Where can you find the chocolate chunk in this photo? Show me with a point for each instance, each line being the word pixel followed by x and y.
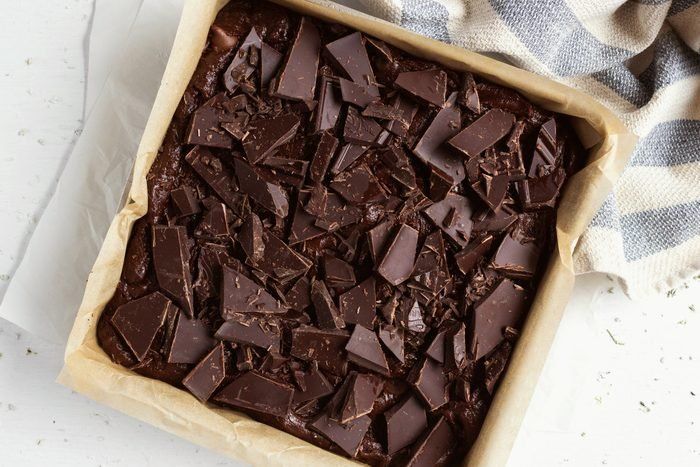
pixel 270 196
pixel 436 349
pixel 467 258
pixel 364 350
pixel 491 221
pixel 468 95
pixel 329 105
pixel 429 381
pixel 397 162
pixel 377 238
pixel 358 186
pixel 204 378
pixel 204 128
pixel 426 85
pixel 250 331
pixel 545 153
pixel 214 222
pixel 244 358
pixel 393 338
pixel 239 294
pixel 325 150
pixel 280 261
pixel 304 224
pixel 459 209
pixel 240 67
pixel 359 397
pixel 266 135
pixel 347 155
pixel 315 386
pixel 257 393
pixel 327 315
pixel 211 258
pixel 381 47
pixel 357 94
pixel 138 321
pixel 317 202
pixel 382 111
pixel 441 183
pixel 517 257
pixel 360 130
pixel 237 127
pixel 251 238
pixel 338 273
pixel 270 60
pixel 218 177
pixel 407 111
pixel 494 96
pixel 390 308
pixel 483 133
pixel 434 446
pixel 456 348
pixel 297 80
pixel 504 306
pixel 191 341
pixel 299 296
pixel 358 305
pixel 325 347
pixel 492 189
pixel 185 200
pixel 397 263
pixel 405 422
pixel 348 437
pixel 432 148
pixel 349 55
pixel 171 259
pixel 538 193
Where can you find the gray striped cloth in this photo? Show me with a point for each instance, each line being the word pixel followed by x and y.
pixel 640 58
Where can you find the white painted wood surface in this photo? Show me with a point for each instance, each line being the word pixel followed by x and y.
pixel 621 386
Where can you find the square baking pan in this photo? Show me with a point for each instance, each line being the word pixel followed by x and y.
pixel 90 371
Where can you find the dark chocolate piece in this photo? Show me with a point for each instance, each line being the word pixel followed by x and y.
pixel 430 383
pixel 204 128
pixel 360 130
pixel 214 222
pixel 357 94
pixel 239 294
pixel 378 238
pixel 209 373
pixel 492 189
pixel 503 306
pixel 483 133
pixel 338 273
pixel 270 196
pixel 257 393
pixel 325 347
pixel 544 156
pixel 348 437
pixel 364 350
pixel 456 348
pixel 218 177
pixel 138 321
pixel 468 95
pixel 538 193
pixel 191 341
pixel 458 211
pixel 349 56
pixel 436 349
pixel 280 261
pixel 327 146
pixel 266 135
pixel 299 296
pixel 397 262
pixel 426 85
pixel 251 238
pixel 327 315
pixel 393 338
pixel 405 422
pixel 297 80
pixel 317 203
pixel 359 398
pixel 171 260
pixel 470 255
pixel 329 105
pixel 315 386
pixel 270 60
pixel 185 201
pixel 250 331
pixel 407 111
pixel 358 186
pixel 434 446
pixel 240 67
pixel 517 257
pixel 358 305
pixel 347 155
pixel 211 258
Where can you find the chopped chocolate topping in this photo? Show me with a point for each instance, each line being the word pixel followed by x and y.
pixel 429 381
pixel 315 386
pixel 393 338
pixel 358 186
pixel 426 85
pixel 191 340
pixel 266 135
pixel 347 155
pixel 435 446
pixel 270 196
pixel 209 373
pixel 240 294
pixel 397 262
pixel 326 347
pixel 483 133
pixel 240 68
pixel 457 210
pixel 357 94
pixel 322 158
pixel 327 315
pixel 405 422
pixel 171 259
pixel 185 201
pixel 297 80
pixel 257 393
pixel 349 55
pixel 250 331
pixel 139 320
pixel 360 395
pixel 360 130
pixel 516 257
pixel 270 60
pixel 329 104
pixel 358 305
pixel 364 350
pixel 470 255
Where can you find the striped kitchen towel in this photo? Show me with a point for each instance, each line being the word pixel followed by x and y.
pixel 640 58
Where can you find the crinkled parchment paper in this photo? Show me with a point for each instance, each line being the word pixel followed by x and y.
pixel 88 369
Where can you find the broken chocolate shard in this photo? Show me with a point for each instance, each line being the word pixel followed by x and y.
pixel 347 155
pixel 325 347
pixel 426 85
pixel 240 67
pixel 171 258
pixel 504 306
pixel 538 193
pixel 138 321
pixel 304 224
pixel 490 221
pixel 405 422
pixel 545 154
pixel 436 349
pixel 270 60
pixel 329 105
pixel 237 128
pixel 257 393
pixel 483 133
pixel 316 385
pixel 325 150
pixel 407 111
pixel 432 148
pixel 468 95
pixel 280 261
pixel 250 238
pixel 207 375
pixel 397 263
pixel 349 55
pixel 211 258
pixel 456 348
pixel 338 273
pixel 250 331
pixel 517 257
pixel 492 189
pixel 430 383
pixel 297 80
pixel 191 340
pixel 364 350
pixel 218 177
pixel 359 397
pixel 358 305
pixel 377 237
pixel 185 201
pixel 358 186
pixel 270 196
pixel 470 255
pixel 348 437
pixel 317 202
pixel 266 135
pixel 393 338
pixel 360 130
pixel 460 227
pixel 357 94
pixel 204 128
pixel 436 444
pixel 382 111
pixel 327 315
pixel 299 296
pixel 239 294
pixel 214 222
pixel 244 358
pixel 441 183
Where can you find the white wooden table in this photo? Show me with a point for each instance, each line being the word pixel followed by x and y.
pixel 621 386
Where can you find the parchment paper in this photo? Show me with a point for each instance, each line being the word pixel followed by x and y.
pixel 88 369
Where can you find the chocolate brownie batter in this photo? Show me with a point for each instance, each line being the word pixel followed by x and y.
pixel 342 239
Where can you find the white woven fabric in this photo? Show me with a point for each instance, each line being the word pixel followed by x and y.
pixel 641 59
